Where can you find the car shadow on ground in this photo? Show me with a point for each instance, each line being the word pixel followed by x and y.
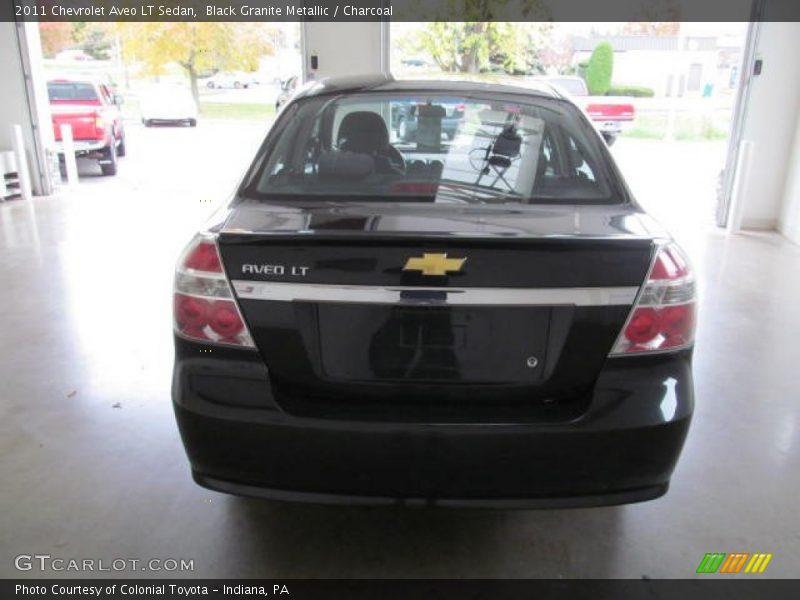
pixel 306 540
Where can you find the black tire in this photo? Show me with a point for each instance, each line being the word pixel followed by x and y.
pixel 610 138
pixel 210 85
pixel 237 85
pixel 122 150
pixel 192 122
pixel 111 167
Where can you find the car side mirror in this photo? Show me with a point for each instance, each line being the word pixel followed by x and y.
pixel 118 100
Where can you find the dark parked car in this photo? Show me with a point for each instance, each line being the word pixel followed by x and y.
pixel 489 321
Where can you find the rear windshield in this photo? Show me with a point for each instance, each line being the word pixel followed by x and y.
pixel 430 148
pixel 71 91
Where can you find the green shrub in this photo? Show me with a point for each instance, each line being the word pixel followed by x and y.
pixel 635 91
pixel 600 69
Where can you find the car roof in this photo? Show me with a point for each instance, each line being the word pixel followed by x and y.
pixel 387 83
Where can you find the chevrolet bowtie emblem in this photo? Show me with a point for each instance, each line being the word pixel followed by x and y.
pixel 434 264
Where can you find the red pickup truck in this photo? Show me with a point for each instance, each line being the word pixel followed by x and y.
pixel 93 112
pixel 608 115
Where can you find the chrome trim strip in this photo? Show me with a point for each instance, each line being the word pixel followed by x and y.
pixel 367 294
pixel 371 235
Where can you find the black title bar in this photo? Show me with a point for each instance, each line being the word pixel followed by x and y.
pixel 400 10
pixel 709 588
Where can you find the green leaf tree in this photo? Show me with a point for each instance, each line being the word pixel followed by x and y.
pixel 470 36
pixel 94 38
pixel 457 47
pixel 600 69
pixel 472 47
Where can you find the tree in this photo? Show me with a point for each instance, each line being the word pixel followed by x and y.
pixel 600 69
pixel 94 38
pixel 520 47
pixel 652 28
pixel 55 37
pixel 471 47
pixel 469 36
pixel 196 47
pixel 456 47
pixel 655 18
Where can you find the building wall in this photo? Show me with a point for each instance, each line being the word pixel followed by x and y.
pixel 13 98
pixel 771 124
pixel 789 224
pixel 345 48
pixel 654 68
pixel 14 106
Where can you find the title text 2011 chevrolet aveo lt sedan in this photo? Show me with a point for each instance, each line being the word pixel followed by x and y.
pixel 482 319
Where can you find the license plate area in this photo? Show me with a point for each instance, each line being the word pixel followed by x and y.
pixel 430 344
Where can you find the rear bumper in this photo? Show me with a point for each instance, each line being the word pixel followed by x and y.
pixel 581 501
pixel 611 127
pixel 83 146
pixel 623 449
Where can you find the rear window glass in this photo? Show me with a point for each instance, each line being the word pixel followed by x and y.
pixel 71 91
pixel 431 148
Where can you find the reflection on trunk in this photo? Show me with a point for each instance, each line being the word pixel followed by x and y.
pixel 418 344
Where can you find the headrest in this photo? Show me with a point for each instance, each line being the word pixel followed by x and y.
pixel 345 166
pixel 363 131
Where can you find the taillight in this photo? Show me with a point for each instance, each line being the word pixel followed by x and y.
pixel 99 125
pixel 663 317
pixel 204 308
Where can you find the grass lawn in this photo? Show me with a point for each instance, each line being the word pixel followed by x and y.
pixel 213 110
pixel 220 110
pixel 687 127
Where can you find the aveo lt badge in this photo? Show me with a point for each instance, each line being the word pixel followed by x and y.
pixel 434 264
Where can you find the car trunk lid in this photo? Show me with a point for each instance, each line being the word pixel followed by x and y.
pixel 419 312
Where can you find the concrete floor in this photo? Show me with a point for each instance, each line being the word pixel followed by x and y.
pixel 92 466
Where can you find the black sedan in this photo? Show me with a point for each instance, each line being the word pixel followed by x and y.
pixel 490 320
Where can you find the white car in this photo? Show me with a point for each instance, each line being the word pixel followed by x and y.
pixel 74 55
pixel 236 80
pixel 165 104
